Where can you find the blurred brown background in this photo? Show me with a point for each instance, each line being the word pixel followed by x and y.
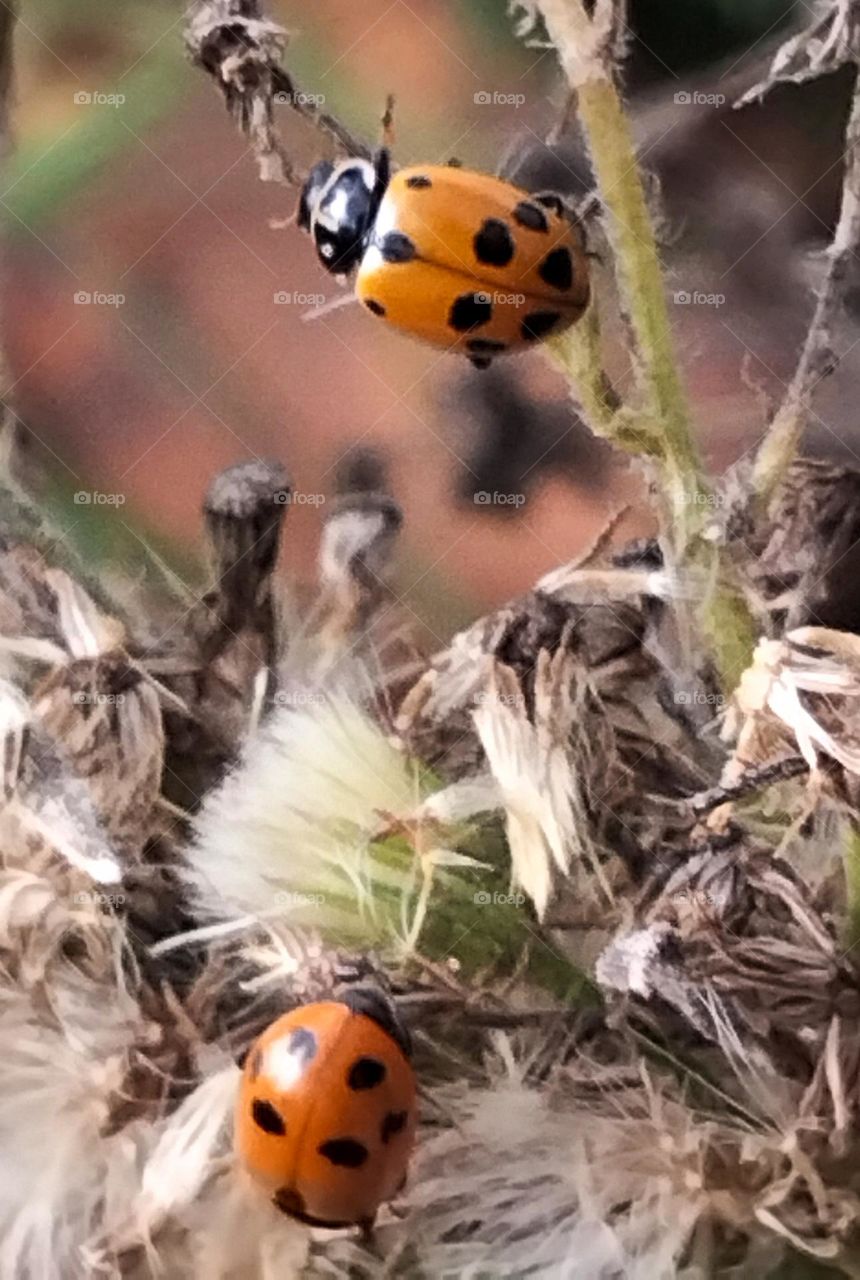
pixel 148 348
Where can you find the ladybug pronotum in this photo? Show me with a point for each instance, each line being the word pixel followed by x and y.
pixel 460 259
pixel 326 1113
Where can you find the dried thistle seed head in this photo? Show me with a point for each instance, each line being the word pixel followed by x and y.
pixel 800 559
pixel 356 556
pixel 241 49
pixel 244 510
pixel 105 718
pixel 52 819
pixel 733 944
pixel 362 469
pixel 800 694
pixel 358 541
pixel 543 779
pixel 219 658
pixel 46 616
pixel 828 42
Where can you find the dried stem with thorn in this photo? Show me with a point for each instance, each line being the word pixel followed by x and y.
pixel 818 359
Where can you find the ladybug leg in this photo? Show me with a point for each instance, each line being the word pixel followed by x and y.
pixel 367 1226
pixel 454 163
pixel 382 171
pixel 550 200
pixel 481 362
pixel 577 214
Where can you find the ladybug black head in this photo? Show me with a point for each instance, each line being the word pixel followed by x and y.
pixel 375 1004
pixel 338 208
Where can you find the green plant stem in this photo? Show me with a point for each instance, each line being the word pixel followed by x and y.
pixel 641 281
pixel 659 426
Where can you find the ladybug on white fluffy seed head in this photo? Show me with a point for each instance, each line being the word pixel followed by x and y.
pixel 326 1113
pixel 458 258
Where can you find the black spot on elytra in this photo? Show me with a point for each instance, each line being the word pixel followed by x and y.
pixel 555 203
pixel 303 1044
pixel 486 346
pixel 396 247
pixel 346 1153
pixel 267 1118
pixel 531 216
pixel 366 1073
pixel 394 1123
pixel 539 324
pixel 494 244
pixel 470 311
pixel 376 307
pixel 419 183
pixel 255 1063
pixel 557 269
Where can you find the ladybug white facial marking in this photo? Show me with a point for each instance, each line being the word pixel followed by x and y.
pixel 287 1059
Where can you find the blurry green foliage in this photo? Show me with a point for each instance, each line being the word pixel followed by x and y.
pixel 68 49
pixel 682 35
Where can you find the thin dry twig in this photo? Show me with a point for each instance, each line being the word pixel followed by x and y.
pixel 242 50
pixel 832 41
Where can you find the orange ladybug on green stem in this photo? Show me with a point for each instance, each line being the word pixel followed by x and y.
pixel 458 258
pixel 326 1112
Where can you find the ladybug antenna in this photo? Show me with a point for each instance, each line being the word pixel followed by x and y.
pixel 334 304
pixel 375 1004
pixel 382 168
